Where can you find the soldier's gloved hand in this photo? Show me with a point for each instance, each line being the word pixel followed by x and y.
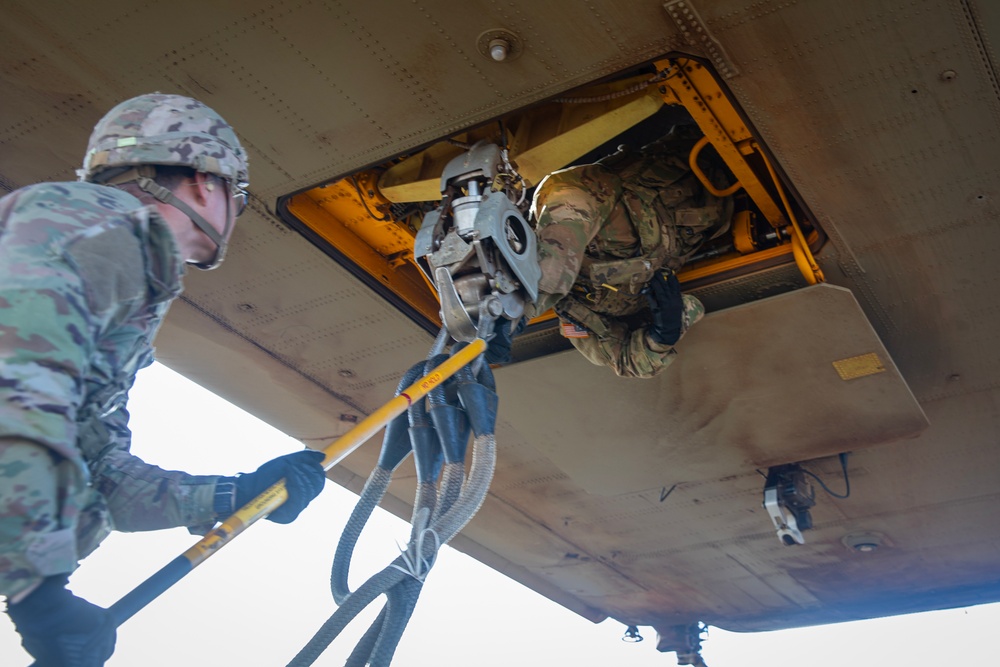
pixel 59 629
pixel 304 479
pixel 666 306
pixel 498 350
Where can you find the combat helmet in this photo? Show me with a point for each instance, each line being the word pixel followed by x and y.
pixel 169 130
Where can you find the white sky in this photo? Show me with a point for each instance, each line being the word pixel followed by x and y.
pixel 262 597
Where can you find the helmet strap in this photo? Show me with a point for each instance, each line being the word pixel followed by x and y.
pixel 141 177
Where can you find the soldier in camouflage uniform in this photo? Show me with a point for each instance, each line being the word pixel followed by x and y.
pixel 87 271
pixel 610 236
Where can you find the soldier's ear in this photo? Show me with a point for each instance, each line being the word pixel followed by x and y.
pixel 202 185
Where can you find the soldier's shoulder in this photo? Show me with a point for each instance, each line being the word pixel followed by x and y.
pixel 580 174
pixel 46 217
pixel 65 205
pixel 74 194
pixel 591 180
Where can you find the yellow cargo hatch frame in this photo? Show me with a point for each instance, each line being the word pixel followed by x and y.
pixel 368 220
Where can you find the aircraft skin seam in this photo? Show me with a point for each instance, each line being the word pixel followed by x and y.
pixel 228 327
pixel 984 50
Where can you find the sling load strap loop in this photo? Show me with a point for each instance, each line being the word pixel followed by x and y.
pixel 433 526
pixel 273 497
pixel 483 464
pixel 363 650
pixel 395 447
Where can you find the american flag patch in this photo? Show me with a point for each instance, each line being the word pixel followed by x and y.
pixel 570 330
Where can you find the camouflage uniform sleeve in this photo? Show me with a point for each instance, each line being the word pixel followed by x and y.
pixel 625 351
pixel 570 207
pixel 630 352
pixel 141 496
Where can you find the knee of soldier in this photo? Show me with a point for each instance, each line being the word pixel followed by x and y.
pixel 694 310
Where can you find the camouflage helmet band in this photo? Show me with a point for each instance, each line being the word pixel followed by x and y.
pixel 164 130
pixel 96 159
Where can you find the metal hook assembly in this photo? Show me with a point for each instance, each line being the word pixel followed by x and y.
pixel 478 249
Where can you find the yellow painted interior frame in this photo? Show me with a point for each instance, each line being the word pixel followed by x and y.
pixel 385 251
pixel 352 214
pixel 691 85
pixel 542 140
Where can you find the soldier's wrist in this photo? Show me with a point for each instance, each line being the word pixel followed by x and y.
pixel 224 501
pixel 20 595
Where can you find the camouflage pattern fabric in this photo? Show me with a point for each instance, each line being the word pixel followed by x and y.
pixel 86 276
pixel 164 130
pixel 628 352
pixel 603 231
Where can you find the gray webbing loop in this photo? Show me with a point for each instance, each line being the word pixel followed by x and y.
pixel 435 522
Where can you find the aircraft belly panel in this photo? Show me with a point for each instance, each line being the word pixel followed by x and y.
pixel 632 498
pixel 752 386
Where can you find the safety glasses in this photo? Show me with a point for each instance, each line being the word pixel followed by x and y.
pixel 240 196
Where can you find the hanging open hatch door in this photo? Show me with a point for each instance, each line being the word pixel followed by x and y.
pixel 793 377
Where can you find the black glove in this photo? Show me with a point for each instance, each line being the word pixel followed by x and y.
pixel 59 629
pixel 666 308
pixel 498 351
pixel 304 478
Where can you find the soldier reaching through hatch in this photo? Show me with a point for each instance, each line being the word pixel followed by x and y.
pixel 87 272
pixel 610 236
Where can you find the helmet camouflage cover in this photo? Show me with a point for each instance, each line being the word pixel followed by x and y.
pixel 161 129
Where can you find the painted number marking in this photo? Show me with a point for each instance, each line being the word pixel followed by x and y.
pixel 431 381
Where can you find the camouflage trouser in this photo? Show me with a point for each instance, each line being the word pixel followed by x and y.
pixel 628 352
pixel 39 494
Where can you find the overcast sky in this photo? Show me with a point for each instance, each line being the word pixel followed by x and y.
pixel 262 597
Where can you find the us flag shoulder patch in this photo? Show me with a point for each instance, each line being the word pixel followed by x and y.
pixel 570 330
